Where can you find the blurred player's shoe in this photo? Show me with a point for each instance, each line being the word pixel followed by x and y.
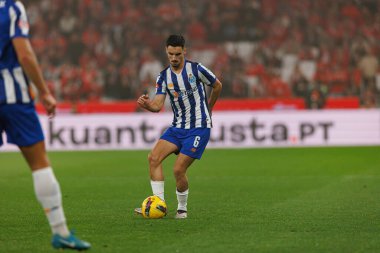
pixel 138 211
pixel 70 242
pixel 181 214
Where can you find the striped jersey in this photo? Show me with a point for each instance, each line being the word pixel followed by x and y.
pixel 187 94
pixel 14 85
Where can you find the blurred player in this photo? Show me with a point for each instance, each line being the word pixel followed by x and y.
pixel 189 134
pixel 20 122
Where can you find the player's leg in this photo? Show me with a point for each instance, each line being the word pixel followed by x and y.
pixel 181 165
pixel 48 193
pixel 165 146
pixel 160 151
pixel 35 155
pixel 46 186
pixel 193 146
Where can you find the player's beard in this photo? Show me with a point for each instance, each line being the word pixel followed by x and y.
pixel 175 64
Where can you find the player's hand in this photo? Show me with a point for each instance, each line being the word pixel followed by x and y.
pixel 49 103
pixel 143 101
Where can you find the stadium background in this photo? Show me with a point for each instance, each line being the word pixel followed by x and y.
pixel 315 53
pixel 275 58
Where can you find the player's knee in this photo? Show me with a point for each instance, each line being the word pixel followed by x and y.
pixel 178 173
pixel 153 160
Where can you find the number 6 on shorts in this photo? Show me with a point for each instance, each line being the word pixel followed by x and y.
pixel 196 141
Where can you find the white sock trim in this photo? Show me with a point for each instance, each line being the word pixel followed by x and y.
pixel 182 193
pixel 42 171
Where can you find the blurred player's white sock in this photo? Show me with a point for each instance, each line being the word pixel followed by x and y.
pixel 48 194
pixel 182 199
pixel 158 188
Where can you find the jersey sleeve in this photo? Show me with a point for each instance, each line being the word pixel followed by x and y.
pixel 160 85
pixel 19 25
pixel 205 75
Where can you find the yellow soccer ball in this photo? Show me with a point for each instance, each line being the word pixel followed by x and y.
pixel 153 207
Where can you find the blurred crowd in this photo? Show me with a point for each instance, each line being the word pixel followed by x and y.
pixel 104 50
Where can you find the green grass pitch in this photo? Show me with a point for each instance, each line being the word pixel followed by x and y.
pixel 241 200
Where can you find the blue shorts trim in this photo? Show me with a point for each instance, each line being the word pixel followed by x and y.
pixel 21 124
pixel 191 142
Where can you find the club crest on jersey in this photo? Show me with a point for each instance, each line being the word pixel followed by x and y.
pixel 192 79
pixel 170 85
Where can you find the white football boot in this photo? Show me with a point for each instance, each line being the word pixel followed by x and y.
pixel 138 210
pixel 181 214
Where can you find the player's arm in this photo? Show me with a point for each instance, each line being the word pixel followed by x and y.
pixel 215 92
pixel 154 105
pixel 29 63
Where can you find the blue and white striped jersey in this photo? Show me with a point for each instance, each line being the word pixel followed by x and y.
pixel 187 94
pixel 14 85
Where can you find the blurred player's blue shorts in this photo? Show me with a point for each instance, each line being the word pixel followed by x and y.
pixel 21 124
pixel 191 142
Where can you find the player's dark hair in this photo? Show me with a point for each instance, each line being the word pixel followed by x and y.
pixel 175 41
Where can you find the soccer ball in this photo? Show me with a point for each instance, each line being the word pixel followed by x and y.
pixel 153 207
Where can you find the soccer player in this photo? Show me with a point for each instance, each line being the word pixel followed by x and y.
pixel 183 81
pixel 19 120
